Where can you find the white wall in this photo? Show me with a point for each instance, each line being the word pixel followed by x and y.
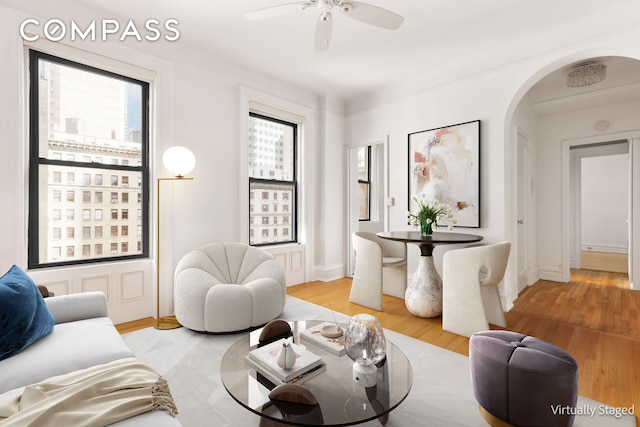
pixel 483 98
pixel 605 203
pixel 330 204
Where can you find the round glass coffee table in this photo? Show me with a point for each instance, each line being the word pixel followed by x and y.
pixel 340 400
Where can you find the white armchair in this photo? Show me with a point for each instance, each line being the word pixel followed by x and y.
pixel 470 298
pixel 381 268
pixel 228 286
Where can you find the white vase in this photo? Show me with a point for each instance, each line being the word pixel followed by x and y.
pixel 423 296
pixel 286 356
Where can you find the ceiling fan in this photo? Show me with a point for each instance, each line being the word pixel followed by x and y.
pixel 363 12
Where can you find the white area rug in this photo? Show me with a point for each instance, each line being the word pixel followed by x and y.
pixel 441 394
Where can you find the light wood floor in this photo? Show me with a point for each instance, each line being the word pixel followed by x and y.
pixel 605 261
pixel 595 318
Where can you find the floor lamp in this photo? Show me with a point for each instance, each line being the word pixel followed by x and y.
pixel 179 161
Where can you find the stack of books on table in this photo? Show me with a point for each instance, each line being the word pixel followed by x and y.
pixel 264 361
pixel 315 337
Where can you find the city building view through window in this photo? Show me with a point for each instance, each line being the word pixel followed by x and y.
pixel 89 168
pixel 272 180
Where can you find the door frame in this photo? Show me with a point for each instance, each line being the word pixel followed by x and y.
pixel 577 154
pixel 523 204
pixel 634 213
pixel 352 192
pixel 566 210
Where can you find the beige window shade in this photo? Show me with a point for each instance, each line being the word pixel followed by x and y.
pixel 276 113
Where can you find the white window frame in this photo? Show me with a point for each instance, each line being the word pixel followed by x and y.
pixel 306 133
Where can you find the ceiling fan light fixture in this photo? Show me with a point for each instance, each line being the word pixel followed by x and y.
pixel 358 10
pixel 587 74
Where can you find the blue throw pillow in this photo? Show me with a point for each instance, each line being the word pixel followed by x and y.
pixel 24 316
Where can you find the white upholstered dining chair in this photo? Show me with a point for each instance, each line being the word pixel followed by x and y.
pixel 380 268
pixel 470 297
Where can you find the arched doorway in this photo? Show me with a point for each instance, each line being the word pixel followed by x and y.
pixel 552 117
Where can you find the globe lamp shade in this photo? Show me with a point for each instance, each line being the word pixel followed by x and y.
pixel 179 160
pixel 366 345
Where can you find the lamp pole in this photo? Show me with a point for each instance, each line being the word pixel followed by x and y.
pixel 163 322
pixel 178 160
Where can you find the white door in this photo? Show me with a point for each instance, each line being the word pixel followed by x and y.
pixel 523 223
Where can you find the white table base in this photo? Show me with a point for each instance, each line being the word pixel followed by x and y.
pixel 423 296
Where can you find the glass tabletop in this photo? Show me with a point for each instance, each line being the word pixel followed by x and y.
pixel 340 400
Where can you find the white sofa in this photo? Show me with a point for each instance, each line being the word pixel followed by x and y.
pixel 83 336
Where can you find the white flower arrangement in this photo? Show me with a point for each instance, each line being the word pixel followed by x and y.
pixel 430 214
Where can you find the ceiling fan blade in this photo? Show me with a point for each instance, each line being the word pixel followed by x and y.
pixel 273 11
pixel 372 15
pixel 323 31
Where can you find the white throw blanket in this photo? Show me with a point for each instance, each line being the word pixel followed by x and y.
pixel 95 396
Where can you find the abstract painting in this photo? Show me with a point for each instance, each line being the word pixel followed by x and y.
pixel 444 164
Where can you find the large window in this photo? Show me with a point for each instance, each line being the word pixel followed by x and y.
pixel 89 133
pixel 272 180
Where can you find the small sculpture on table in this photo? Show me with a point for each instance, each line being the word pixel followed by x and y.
pixel 287 356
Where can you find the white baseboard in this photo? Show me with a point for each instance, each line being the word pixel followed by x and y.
pixel 553 275
pixel 328 273
pixel 506 306
pixel 595 247
pixel 533 276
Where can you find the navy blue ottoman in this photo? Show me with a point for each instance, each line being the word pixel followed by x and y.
pixel 522 381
